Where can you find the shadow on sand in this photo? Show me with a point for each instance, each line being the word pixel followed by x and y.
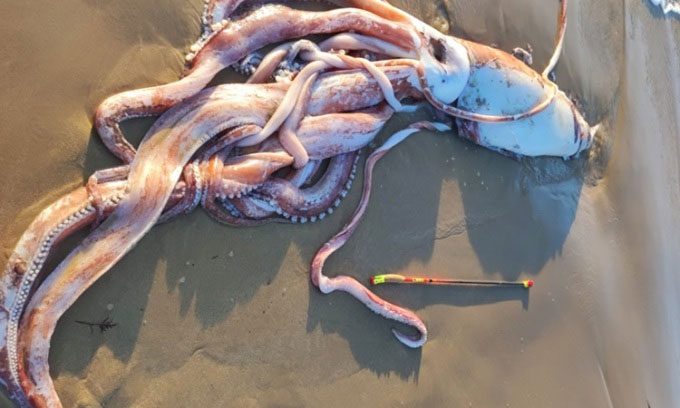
pixel 516 216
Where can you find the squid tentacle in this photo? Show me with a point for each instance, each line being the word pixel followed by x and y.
pixel 240 175
pixel 311 203
pixel 152 178
pixel 349 132
pixel 352 286
pixel 287 104
pixel 53 224
pixel 294 104
pixel 174 142
pixel 342 61
pixel 559 38
pixel 218 10
pixel 287 132
pixel 95 180
pixel 226 47
pixel 311 52
pixel 299 177
pixel 222 186
pixel 191 192
pixel 354 41
pixel 261 206
pixel 256 208
pixel 67 215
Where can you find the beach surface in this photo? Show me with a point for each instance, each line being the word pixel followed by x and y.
pixel 208 315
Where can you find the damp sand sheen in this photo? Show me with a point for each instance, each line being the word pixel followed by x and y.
pixel 208 315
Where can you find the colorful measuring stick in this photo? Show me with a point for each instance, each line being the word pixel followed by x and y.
pixel 423 280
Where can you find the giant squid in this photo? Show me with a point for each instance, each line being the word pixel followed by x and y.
pixel 246 152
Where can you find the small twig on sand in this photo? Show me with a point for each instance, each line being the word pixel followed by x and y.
pixel 103 326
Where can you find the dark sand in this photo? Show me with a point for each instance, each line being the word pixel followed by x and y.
pixel 214 316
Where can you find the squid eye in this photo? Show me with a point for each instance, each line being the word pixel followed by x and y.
pixel 438 49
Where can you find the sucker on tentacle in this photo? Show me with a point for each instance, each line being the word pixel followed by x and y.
pixel 70 213
pixel 351 285
pixel 152 175
pixel 310 203
pixel 175 116
pixel 249 64
pixel 215 147
pixel 13 306
pixel 286 53
pixel 287 131
pixel 151 180
pixel 267 24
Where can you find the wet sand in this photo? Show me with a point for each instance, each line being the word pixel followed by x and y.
pixel 214 316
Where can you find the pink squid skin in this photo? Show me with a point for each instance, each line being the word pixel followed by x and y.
pixel 218 108
pixel 67 215
pixel 253 208
pixel 269 24
pixel 112 184
pixel 546 110
pixel 311 202
pixel 353 129
pixel 218 10
pixel 151 180
pixel 323 136
pixel 349 284
pixel 280 196
pixel 186 128
pixel 24 267
pixel 443 81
